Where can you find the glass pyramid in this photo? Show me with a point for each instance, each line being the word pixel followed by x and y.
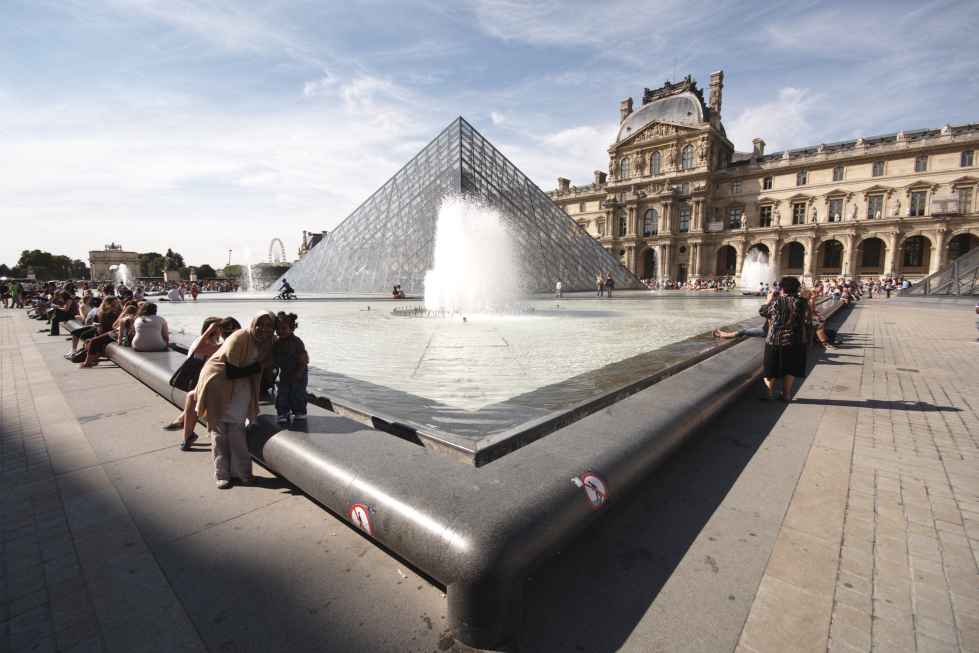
pixel 390 238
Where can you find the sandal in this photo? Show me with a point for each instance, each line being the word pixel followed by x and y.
pixel 189 442
pixel 175 425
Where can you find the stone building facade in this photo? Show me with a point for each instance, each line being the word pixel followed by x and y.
pixel 678 202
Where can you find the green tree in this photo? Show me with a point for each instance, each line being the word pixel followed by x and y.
pixel 232 271
pixel 79 270
pixel 206 272
pixel 174 261
pixel 151 264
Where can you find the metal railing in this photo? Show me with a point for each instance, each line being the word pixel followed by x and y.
pixel 960 277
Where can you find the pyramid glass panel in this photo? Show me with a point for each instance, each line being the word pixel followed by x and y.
pixel 390 238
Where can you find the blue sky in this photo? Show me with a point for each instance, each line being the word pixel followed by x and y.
pixel 215 125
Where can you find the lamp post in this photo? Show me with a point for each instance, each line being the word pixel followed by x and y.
pixel 229 257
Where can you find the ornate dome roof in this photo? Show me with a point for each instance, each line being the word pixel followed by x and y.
pixel 684 108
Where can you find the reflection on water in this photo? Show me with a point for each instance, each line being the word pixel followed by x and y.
pixel 486 359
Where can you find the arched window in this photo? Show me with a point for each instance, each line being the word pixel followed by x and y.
pixel 655 160
pixel 686 158
pixel 650 222
pixel 623 168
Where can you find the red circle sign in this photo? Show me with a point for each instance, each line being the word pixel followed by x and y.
pixel 595 489
pixel 360 516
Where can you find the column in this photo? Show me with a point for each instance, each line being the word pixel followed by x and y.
pixel 775 257
pixel 810 262
pixel 630 221
pixel 848 264
pixel 665 218
pixel 740 247
pixel 938 252
pixel 890 256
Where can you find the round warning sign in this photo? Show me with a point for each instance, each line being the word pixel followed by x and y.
pixel 360 516
pixel 595 488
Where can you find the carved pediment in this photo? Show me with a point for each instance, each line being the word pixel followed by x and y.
pixel 659 131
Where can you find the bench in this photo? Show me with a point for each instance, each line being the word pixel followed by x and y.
pixel 480 531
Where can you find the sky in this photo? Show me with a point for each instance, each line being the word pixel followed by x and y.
pixel 217 125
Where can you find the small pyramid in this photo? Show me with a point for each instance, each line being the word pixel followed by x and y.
pixel 390 238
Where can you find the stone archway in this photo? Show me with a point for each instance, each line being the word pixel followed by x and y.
pixel 726 261
pixel 961 244
pixel 871 253
pixel 649 264
pixel 830 257
pixel 793 258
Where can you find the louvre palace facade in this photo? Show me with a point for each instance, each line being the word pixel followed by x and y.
pixel 678 202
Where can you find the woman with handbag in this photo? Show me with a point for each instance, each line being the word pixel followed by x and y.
pixel 227 397
pixel 213 332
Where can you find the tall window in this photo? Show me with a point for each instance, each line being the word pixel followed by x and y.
pixel 683 189
pixel 765 216
pixel 838 173
pixel 799 213
pixel 686 158
pixel 802 178
pixel 872 251
pixel 622 223
pixel 919 201
pixel 875 206
pixel 683 218
pixel 797 256
pixel 921 163
pixel 966 160
pixel 734 217
pixel 836 210
pixel 878 169
pixel 832 254
pixel 650 222
pixel 767 182
pixel 655 160
pixel 736 187
pixel 965 200
pixel 623 168
pixel 914 252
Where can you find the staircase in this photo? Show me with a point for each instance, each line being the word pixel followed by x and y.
pixel 960 277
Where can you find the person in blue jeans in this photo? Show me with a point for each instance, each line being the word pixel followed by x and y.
pixel 289 355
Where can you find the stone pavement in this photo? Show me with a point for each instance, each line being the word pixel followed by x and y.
pixel 879 547
pixel 848 519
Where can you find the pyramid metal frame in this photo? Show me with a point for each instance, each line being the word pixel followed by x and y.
pixel 390 238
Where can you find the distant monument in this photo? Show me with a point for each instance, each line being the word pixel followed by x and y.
pixel 390 238
pixel 104 262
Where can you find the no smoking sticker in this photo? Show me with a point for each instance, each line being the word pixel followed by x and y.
pixel 595 488
pixel 361 517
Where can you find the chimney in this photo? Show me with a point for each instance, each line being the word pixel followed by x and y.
pixel 625 108
pixel 759 148
pixel 563 185
pixel 716 86
pixel 600 178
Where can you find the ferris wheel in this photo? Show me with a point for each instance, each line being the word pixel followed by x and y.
pixel 277 255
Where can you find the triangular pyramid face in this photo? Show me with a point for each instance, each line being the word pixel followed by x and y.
pixel 390 238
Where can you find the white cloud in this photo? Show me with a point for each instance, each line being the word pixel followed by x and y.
pixel 785 122
pixel 319 86
pixel 497 118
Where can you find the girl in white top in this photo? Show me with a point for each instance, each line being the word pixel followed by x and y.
pixel 151 330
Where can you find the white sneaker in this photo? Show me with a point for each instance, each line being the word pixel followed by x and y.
pixel 299 416
pixel 224 485
pixel 283 419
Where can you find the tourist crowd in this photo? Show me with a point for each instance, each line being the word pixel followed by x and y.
pixel 227 371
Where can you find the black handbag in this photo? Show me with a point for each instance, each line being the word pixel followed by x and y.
pixel 185 378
